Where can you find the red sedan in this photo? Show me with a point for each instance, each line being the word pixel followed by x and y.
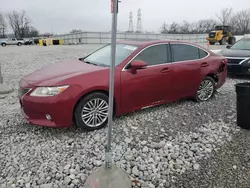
pixel 147 74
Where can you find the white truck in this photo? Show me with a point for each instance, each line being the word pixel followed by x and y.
pixel 12 41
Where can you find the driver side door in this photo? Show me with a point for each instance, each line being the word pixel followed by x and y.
pixel 147 87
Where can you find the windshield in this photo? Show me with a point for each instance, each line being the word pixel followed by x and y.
pixel 102 56
pixel 243 44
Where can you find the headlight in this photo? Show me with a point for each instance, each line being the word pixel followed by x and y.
pixel 246 61
pixel 48 91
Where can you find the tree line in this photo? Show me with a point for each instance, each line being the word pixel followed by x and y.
pixel 238 21
pixel 19 23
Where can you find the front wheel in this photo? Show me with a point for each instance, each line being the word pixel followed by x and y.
pixel 211 43
pixel 19 44
pixel 231 40
pixel 91 113
pixel 223 41
pixel 206 90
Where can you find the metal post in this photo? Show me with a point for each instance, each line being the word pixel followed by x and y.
pixel 108 162
pixel 1 76
pixel 110 176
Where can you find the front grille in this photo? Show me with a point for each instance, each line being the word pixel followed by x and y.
pixel 23 91
pixel 234 61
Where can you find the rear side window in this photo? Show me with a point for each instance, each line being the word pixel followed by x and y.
pixel 202 53
pixel 184 52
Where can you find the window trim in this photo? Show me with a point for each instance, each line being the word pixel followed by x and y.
pixel 208 53
pixel 152 45
pixel 170 54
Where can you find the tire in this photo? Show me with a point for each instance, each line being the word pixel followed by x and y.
pixel 231 40
pixel 19 44
pixel 211 82
pixel 211 43
pixel 3 44
pixel 87 121
pixel 222 41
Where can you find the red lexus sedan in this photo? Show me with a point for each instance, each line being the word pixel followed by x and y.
pixel 147 74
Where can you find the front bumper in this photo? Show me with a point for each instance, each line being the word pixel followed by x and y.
pixel 238 69
pixel 56 111
pixel 211 39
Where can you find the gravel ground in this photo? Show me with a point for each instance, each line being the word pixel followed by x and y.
pixel 181 144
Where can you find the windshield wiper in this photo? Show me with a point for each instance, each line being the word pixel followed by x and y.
pixel 90 63
pixel 104 65
pixel 96 64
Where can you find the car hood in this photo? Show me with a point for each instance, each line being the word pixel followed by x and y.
pixel 235 53
pixel 57 72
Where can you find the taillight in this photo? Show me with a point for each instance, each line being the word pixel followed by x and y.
pixel 224 61
pixel 223 65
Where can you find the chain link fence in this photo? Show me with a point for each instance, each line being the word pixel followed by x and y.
pixel 105 37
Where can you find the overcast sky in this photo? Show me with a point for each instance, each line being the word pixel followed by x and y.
pixel 61 16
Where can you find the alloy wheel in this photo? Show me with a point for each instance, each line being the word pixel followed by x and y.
pixel 206 90
pixel 95 112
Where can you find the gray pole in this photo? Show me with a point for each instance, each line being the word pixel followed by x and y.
pixel 108 162
pixel 1 76
pixel 109 175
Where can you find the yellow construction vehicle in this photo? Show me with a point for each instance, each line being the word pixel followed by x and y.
pixel 221 34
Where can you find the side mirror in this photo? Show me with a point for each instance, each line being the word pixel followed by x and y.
pixel 137 64
pixel 228 46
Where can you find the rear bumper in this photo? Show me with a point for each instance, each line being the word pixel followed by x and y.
pixel 222 76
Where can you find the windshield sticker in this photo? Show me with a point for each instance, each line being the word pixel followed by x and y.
pixel 128 47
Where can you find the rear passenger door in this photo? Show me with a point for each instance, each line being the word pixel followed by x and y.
pixel 189 64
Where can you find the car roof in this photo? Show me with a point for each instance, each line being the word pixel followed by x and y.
pixel 147 42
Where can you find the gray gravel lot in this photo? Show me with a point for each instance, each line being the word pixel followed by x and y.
pixel 182 144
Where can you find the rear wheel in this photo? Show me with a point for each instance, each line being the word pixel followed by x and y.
pixel 206 90
pixel 91 113
pixel 3 44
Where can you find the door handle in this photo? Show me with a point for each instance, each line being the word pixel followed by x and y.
pixel 165 70
pixel 205 64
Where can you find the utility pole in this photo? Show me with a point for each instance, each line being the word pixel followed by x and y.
pixel 109 175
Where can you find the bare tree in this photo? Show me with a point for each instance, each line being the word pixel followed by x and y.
pixel 225 16
pixel 205 26
pixel 241 22
pixel 3 25
pixel 76 31
pixel 19 22
pixel 174 28
pixel 185 27
pixel 164 29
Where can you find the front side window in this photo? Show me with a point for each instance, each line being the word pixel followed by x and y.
pixel 243 44
pixel 154 55
pixel 102 57
pixel 184 52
